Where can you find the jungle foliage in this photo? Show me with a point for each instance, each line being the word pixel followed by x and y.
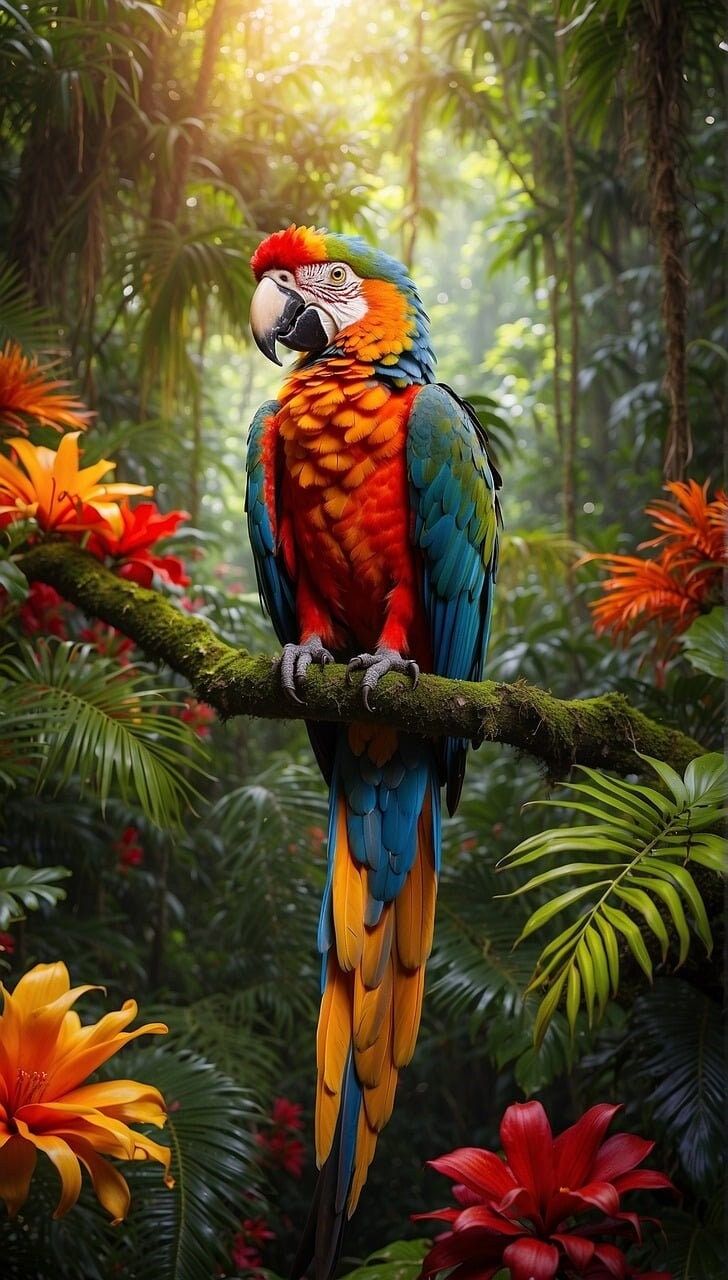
pixel 551 171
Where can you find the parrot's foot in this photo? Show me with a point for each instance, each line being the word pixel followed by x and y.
pixel 295 661
pixel 376 665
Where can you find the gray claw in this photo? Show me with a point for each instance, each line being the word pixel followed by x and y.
pixel 295 661
pixel 376 665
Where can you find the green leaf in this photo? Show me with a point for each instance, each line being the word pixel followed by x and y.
pixel 28 888
pixel 13 581
pixel 706 643
pixel 101 728
pixel 637 859
pixel 631 932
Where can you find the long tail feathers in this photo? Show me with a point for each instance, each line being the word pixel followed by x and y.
pixel 375 935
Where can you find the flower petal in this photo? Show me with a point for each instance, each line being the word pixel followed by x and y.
pixel 576 1148
pixel 577 1249
pixel 526 1137
pixel 41 985
pixel 17 1163
pixel 619 1154
pixel 596 1195
pixel 530 1259
pixel 467 1246
pixel 643 1180
pixel 479 1216
pixel 110 1188
pixel 66 1164
pixel 612 1259
pixel 481 1171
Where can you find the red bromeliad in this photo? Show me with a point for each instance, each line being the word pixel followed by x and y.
pixel 525 1212
pixel 142 527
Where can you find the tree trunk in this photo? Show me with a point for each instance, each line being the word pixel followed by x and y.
pixel 571 426
pixel 660 64
pixel 412 209
pixel 169 188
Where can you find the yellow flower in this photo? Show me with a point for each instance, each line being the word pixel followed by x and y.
pixel 51 488
pixel 26 391
pixel 45 1055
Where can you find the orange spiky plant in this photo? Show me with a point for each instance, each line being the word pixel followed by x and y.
pixel 26 391
pixel 683 580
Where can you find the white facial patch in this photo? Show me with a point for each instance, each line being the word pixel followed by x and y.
pixel 335 289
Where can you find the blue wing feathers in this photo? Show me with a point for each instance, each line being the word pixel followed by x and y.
pixel 452 492
pixel 274 585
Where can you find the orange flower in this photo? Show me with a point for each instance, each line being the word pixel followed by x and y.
pixel 53 489
pixel 45 1054
pixel 682 580
pixel 26 391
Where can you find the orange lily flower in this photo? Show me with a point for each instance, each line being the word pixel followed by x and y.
pixel 52 488
pixel 26 391
pixel 45 1055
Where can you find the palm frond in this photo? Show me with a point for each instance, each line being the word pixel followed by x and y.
pixel 677 1047
pixel 21 319
pixel 101 726
pixel 28 888
pixel 635 855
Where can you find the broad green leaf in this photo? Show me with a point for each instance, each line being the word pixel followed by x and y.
pixel 706 643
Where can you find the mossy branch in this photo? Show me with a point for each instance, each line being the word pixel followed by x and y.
pixel 604 732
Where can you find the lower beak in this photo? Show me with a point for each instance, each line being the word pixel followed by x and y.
pixel 281 314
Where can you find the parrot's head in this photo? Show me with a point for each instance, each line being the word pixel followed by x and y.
pixel 319 291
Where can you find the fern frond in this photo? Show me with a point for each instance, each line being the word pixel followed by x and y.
pixel 632 867
pixel 28 888
pixel 90 721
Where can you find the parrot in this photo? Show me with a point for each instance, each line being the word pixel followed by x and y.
pixel 373 516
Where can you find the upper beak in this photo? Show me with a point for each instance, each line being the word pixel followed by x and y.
pixel 273 314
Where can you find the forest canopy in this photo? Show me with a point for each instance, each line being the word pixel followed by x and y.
pixel 550 174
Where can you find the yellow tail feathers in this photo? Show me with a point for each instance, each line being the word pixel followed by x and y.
pixel 372 1000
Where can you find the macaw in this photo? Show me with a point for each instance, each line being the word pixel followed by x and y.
pixel 373 518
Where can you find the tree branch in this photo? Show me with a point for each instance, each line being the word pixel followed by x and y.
pixel 604 732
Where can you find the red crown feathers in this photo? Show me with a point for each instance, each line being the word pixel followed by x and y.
pixel 289 249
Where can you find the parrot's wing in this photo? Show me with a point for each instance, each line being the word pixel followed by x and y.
pixel 456 517
pixel 274 584
pixel 276 589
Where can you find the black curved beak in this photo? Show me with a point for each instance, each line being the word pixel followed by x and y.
pixel 278 313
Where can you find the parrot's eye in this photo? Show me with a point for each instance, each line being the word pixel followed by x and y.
pixel 337 275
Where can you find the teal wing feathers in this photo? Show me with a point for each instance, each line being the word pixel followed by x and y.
pixel 274 585
pixel 455 527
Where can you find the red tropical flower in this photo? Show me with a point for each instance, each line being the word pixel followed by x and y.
pixel 7 943
pixel 129 851
pixel 198 716
pixel 248 1242
pixel 287 1114
pixel 525 1212
pixel 109 642
pixel 682 580
pixel 142 527
pixel 43 612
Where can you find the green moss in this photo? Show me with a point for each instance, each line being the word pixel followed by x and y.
pixel 604 731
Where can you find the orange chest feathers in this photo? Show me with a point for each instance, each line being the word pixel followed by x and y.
pixel 343 505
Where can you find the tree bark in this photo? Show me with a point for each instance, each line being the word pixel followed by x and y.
pixel 605 731
pixel 660 62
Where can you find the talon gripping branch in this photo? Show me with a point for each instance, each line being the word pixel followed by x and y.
pixel 373 518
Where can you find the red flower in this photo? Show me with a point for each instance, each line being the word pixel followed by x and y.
pixel 198 716
pixel 128 848
pixel 109 642
pixel 142 527
pixel 283 1150
pixel 522 1212
pixel 7 943
pixel 43 611
pixel 287 1114
pixel 254 1236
